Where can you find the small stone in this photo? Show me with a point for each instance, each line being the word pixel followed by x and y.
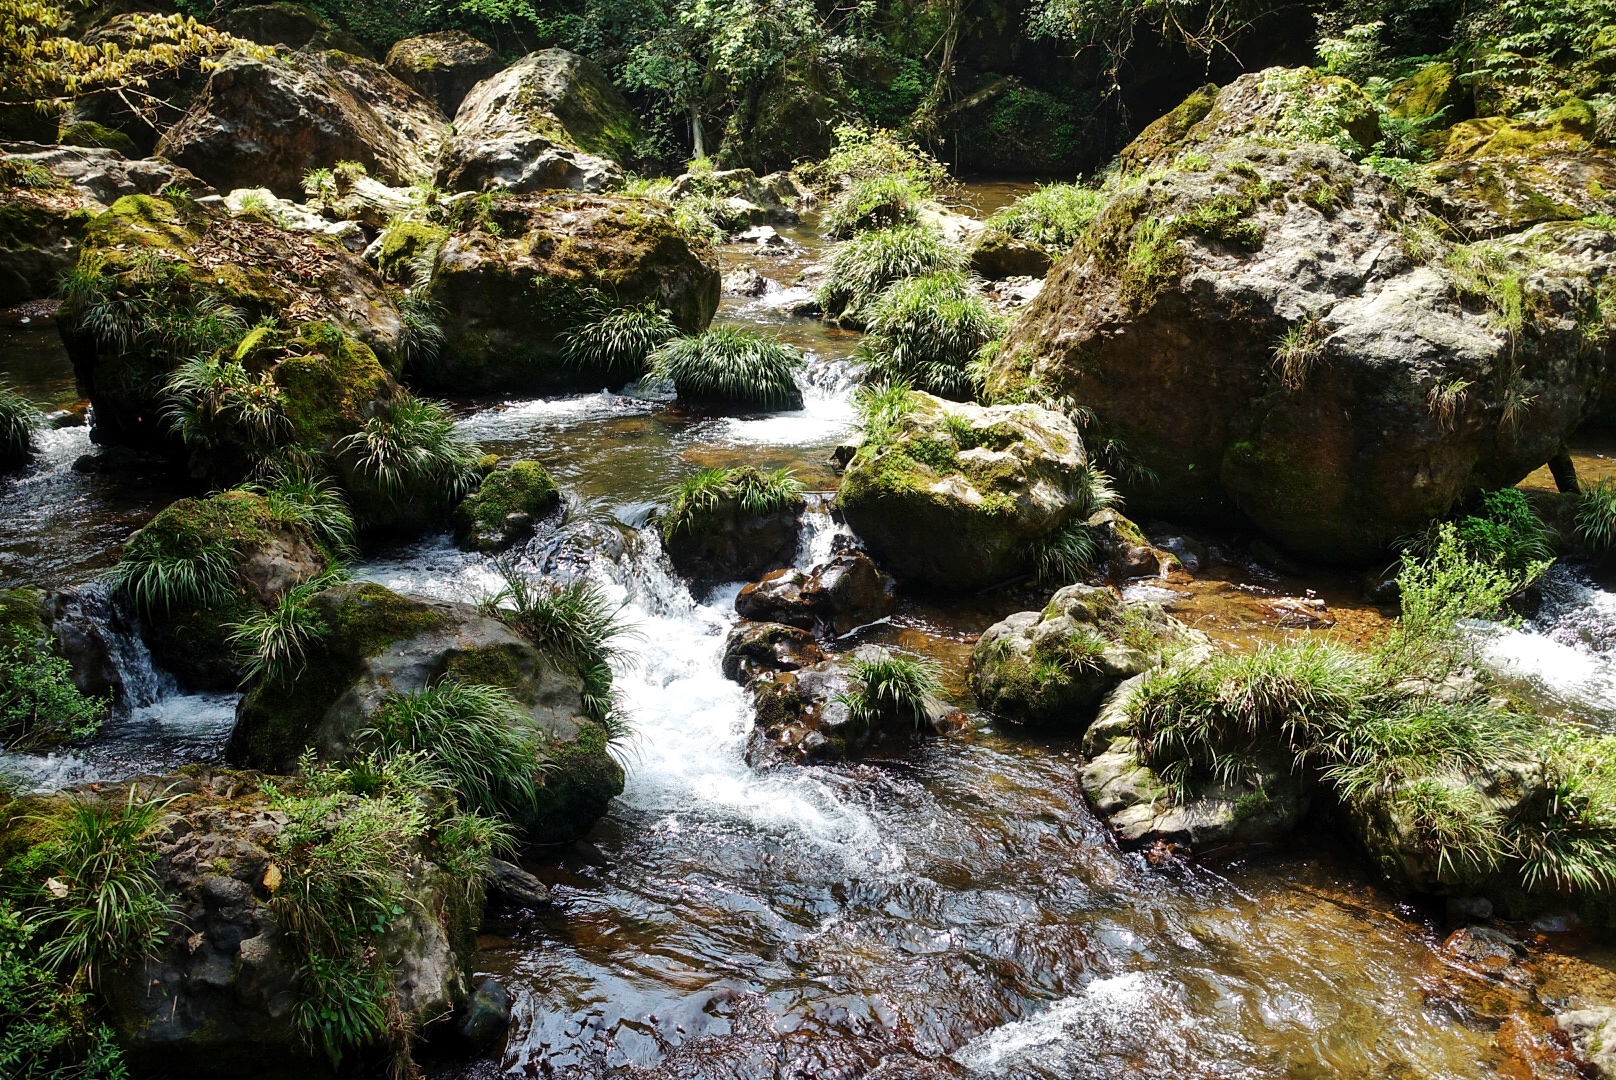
pixel 486 1018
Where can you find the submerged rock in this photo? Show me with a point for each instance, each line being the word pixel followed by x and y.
pixel 551 120
pixel 266 122
pixel 1279 333
pixel 960 497
pixel 1053 667
pixel 442 67
pixel 380 644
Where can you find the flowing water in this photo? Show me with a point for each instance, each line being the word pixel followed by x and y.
pixel 949 909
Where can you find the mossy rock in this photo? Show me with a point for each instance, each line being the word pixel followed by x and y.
pixel 442 66
pixel 1161 138
pixel 404 242
pixel 515 281
pixel 22 617
pixel 40 233
pixel 503 510
pixel 90 133
pixel 1433 90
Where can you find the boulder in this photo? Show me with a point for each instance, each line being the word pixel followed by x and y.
pixel 998 255
pixel 442 67
pixel 267 122
pixel 1053 667
pixel 486 1018
pixel 291 25
pixel 836 596
pixel 551 120
pixel 725 541
pixel 772 199
pixel 959 496
pixel 1264 804
pixel 336 313
pixel 753 648
pixel 1593 1033
pixel 502 512
pixel 217 995
pixel 380 644
pixel 513 282
pixel 1267 330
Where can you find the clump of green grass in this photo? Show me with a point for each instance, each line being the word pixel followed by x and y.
pixel 892 688
pixel 158 577
pixel 880 405
pixel 1300 347
pixel 18 422
pixel 39 705
pixel 113 910
pixel 48 1032
pixel 863 267
pixel 928 331
pixel 1570 846
pixel 619 343
pixel 877 202
pixel 1068 555
pixel 409 451
pixel 214 401
pixel 1484 272
pixel 274 644
pixel 1596 515
pixel 693 500
pixel 1053 216
pixel 298 494
pixel 731 366
pixel 577 625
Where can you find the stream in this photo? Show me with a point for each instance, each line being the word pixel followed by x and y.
pixel 953 909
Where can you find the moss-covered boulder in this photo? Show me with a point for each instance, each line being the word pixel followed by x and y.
pixel 1263 803
pixel 1278 333
pixel 738 526
pixel 551 120
pixel 998 255
pixel 201 566
pixel 224 986
pixel 376 644
pixel 960 497
pixel 442 67
pixel 90 133
pixel 502 512
pixel 153 274
pixel 514 280
pixel 266 122
pixel 1052 668
pixel 1435 90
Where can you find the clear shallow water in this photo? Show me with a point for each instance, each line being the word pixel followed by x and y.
pixel 950 909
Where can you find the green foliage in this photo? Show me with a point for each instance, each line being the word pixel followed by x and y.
pixel 1051 215
pixel 298 495
pixel 1450 585
pixel 1596 515
pixel 1300 347
pixel 481 738
pixel 1508 534
pixel 1484 273
pixel 864 153
pixel 46 1031
pixel 1570 845
pixel 213 402
pixel 619 344
pixel 409 451
pixel 880 406
pixel 273 644
pixel 878 202
pixel 158 575
pixel 1070 554
pixel 892 688
pixel 111 910
pixel 928 331
pixel 18 422
pixel 39 705
pixel 863 267
pixel 730 365
pixel 693 500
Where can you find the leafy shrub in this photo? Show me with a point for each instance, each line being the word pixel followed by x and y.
pixel 18 422
pixel 863 267
pixel 877 202
pixel 39 705
pixel 692 501
pixel 1053 216
pixel 409 452
pixel 1509 535
pixel 620 342
pixel 729 365
pixel 45 1031
pixel 1450 585
pixel 1596 515
pixel 928 331
pixel 892 687
pixel 866 153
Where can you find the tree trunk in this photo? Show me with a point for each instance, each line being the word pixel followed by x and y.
pixel 1564 472
pixel 698 138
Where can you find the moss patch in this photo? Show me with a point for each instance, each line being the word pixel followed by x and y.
pixel 577 792
pixel 523 487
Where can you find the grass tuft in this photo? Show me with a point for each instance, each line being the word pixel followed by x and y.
pixel 619 343
pixel 892 688
pixel 863 267
pixel 692 501
pixel 18 422
pixel 408 451
pixel 877 202
pixel 929 330
pixel 1053 216
pixel 729 365
pixel 1596 515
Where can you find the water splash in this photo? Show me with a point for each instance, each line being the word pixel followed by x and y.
pixel 1567 650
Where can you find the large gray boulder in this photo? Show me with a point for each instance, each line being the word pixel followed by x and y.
pixel 1278 332
pixel 442 67
pixel 551 120
pixel 381 644
pixel 959 497
pixel 266 122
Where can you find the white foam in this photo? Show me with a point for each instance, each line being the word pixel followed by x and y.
pixel 1116 1003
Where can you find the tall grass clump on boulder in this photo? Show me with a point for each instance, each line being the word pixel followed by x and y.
pixel 888 687
pixel 1052 216
pixel 693 500
pixel 928 331
pixel 297 493
pixel 879 202
pixel 863 268
pixel 407 455
pixel 731 366
pixel 18 422
pixel 618 345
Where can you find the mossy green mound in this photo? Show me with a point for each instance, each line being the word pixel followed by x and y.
pixel 502 511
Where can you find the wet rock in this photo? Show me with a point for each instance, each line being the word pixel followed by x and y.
pixel 486 1018
pixel 513 885
pixel 728 542
pixel 551 120
pixel 1385 414
pixel 846 592
pixel 87 630
pixel 1300 613
pixel 1128 552
pixel 265 123
pixel 998 255
pixel 770 199
pixel 745 281
pixel 1264 804
pixel 756 647
pixel 1053 667
pixel 1532 1047
pixel 504 510
pixel 514 283
pixel 442 67
pixel 961 496
pixel 1593 1034
pixel 380 644
pixel 769 241
pixel 1480 975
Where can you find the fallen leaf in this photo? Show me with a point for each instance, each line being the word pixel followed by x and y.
pixel 272 877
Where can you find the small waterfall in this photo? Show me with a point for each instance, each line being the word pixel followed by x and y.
pixel 1567 650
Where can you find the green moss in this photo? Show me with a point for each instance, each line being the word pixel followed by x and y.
pixel 368 618
pixel 1429 91
pixel 20 617
pixel 496 665
pixel 403 242
pixel 326 388
pixel 576 793
pixel 523 487
pixel 1162 136
pixel 90 133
